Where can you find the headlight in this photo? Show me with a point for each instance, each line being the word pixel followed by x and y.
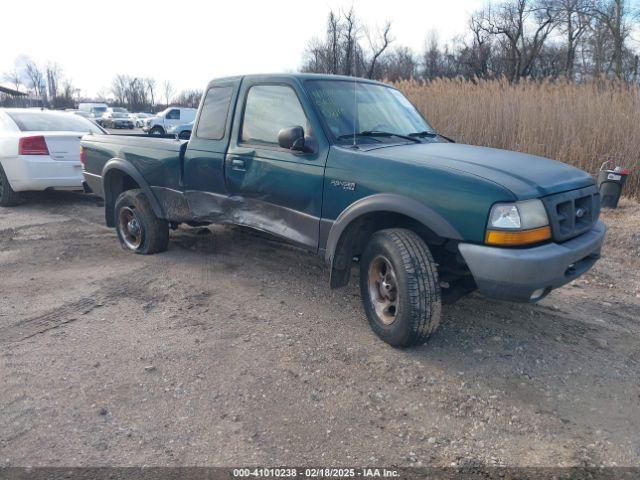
pixel 518 223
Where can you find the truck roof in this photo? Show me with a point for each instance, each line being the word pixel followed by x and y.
pixel 299 76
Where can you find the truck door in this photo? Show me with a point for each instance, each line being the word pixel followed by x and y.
pixel 278 190
pixel 172 118
pixel 204 157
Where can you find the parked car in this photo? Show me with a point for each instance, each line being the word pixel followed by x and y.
pixel 351 170
pixel 115 119
pixel 94 109
pixel 183 131
pixel 139 118
pixel 117 109
pixel 170 117
pixel 40 150
pixel 81 114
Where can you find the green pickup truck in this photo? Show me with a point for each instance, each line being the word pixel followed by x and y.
pixel 350 170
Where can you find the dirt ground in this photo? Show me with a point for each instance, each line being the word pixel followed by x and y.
pixel 231 350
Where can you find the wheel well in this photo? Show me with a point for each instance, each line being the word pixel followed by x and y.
pixel 356 235
pixel 115 182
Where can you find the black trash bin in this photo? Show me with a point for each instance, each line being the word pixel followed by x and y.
pixel 610 183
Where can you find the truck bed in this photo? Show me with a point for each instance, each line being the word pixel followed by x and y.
pixel 157 159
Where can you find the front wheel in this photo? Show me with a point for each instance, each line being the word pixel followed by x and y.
pixel 400 287
pixel 157 131
pixel 139 229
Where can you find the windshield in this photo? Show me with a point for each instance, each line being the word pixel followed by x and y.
pixel 52 122
pixel 119 115
pixel 98 110
pixel 377 108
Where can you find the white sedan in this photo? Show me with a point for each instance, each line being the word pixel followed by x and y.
pixel 139 118
pixel 40 150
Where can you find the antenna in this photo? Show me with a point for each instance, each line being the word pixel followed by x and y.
pixel 355 98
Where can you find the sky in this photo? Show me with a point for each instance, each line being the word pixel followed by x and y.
pixel 189 42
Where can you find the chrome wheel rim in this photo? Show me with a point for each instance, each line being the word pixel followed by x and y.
pixel 383 289
pixel 130 228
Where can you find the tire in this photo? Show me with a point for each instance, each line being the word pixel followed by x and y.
pixel 8 197
pixel 184 135
pixel 402 303
pixel 139 229
pixel 157 131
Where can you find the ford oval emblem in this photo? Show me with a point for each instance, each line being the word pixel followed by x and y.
pixel 580 212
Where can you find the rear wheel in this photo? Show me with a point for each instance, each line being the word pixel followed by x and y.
pixel 400 288
pixel 139 229
pixel 8 197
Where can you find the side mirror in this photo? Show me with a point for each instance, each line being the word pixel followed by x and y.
pixel 293 139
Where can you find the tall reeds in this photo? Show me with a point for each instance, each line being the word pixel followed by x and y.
pixel 580 124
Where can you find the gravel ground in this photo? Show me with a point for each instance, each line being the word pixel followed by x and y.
pixel 230 349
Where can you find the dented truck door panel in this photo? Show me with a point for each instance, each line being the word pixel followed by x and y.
pixel 276 190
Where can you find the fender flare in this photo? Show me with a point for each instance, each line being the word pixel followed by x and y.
pixel 388 202
pixel 117 164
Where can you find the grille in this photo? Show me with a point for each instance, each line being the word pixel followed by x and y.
pixel 572 213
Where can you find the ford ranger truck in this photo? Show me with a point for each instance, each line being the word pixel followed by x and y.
pixel 349 169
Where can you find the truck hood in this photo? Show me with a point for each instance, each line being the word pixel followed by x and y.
pixel 526 176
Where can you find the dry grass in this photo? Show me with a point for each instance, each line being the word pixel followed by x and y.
pixel 583 125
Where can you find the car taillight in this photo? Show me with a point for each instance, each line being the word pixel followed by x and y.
pixel 33 146
pixel 83 156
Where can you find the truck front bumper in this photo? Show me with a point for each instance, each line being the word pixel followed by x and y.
pixel 529 274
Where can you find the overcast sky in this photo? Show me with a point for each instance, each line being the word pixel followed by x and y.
pixel 190 42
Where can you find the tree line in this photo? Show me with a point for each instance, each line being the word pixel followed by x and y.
pixel 575 39
pixel 579 40
pixel 54 89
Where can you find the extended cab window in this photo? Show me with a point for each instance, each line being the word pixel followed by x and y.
pixel 213 118
pixel 173 114
pixel 269 109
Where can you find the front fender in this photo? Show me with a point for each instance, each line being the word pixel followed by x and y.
pixel 388 202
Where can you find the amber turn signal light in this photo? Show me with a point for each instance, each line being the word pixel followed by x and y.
pixel 518 237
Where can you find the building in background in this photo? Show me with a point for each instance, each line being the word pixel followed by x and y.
pixel 10 97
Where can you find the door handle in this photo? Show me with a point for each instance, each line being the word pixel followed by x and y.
pixel 238 164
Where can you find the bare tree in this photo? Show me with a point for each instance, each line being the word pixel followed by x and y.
pixel 36 79
pixel 333 36
pixel 521 27
pixel 479 52
pixel 341 52
pixel 432 57
pixel 189 98
pixel 513 38
pixel 119 88
pixel 53 73
pixel 399 64
pixel 574 19
pixel 151 87
pixel 378 47
pixel 168 91
pixel 614 15
pixel 349 42
pixel 15 77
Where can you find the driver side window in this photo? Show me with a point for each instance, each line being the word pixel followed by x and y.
pixel 269 109
pixel 173 114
